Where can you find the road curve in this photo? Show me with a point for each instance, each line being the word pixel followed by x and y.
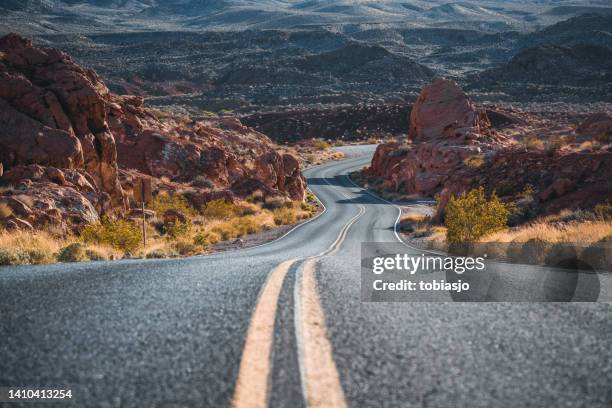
pixel 177 333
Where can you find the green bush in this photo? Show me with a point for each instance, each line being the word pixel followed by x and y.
pixel 177 229
pixel 472 216
pixel 161 254
pixel 38 256
pixel 120 234
pixel 321 145
pixel 204 239
pixel 73 253
pixel 94 255
pixel 13 257
pixel 164 201
pixel 219 209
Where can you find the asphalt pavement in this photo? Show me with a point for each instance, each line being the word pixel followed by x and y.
pixel 172 333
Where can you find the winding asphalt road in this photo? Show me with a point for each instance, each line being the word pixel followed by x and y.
pixel 283 324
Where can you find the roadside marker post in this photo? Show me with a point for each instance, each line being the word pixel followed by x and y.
pixel 143 195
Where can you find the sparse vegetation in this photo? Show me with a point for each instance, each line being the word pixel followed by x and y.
pixel 5 211
pixel 474 161
pixel 120 234
pixel 165 201
pixel 471 216
pixel 533 143
pixel 321 145
pixel 202 182
pixel 219 209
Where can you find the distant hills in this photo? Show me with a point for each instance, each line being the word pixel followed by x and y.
pixel 117 15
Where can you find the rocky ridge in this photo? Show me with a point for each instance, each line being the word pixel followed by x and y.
pixel 453 147
pixel 69 147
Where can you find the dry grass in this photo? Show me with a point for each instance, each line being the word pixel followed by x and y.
pixel 474 161
pixel 5 211
pixel 40 247
pixel 533 143
pixel 583 233
pixel 226 222
pixel 414 217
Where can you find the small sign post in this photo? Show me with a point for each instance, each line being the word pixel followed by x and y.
pixel 143 195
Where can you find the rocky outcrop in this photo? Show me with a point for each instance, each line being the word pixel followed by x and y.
pixel 442 110
pixel 64 139
pixel 52 112
pixel 445 131
pixel 453 148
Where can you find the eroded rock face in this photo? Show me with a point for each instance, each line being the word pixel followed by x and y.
pixel 443 110
pixel 446 130
pixel 61 129
pixel 52 113
pixel 453 149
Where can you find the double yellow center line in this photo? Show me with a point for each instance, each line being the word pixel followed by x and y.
pixel 319 375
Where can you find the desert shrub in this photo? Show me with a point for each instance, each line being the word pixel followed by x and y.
pixel 471 216
pixel 273 203
pixel 38 256
pixel 177 229
pixel 533 143
pixel 310 208
pixel 310 197
pixel 225 230
pixel 202 182
pixel 321 145
pixel 285 216
pixel 164 201
pixel 75 252
pixel 604 211
pixel 599 254
pixel 246 209
pixel 5 211
pixel 119 234
pixel 156 254
pixel 528 191
pixel 204 239
pixel 12 256
pixel 555 143
pixel 247 225
pixel 219 209
pixel 474 161
pixel 256 196
pixel 185 248
pixel 533 252
pixel 95 255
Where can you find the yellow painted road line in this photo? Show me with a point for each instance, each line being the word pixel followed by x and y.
pixel 320 379
pixel 319 375
pixel 255 366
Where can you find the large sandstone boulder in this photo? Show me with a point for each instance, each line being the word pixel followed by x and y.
pixel 443 110
pixel 445 130
pixel 53 113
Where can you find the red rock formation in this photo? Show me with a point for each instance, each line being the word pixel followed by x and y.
pixel 445 131
pixel 453 149
pixel 52 112
pixel 443 110
pixel 64 138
